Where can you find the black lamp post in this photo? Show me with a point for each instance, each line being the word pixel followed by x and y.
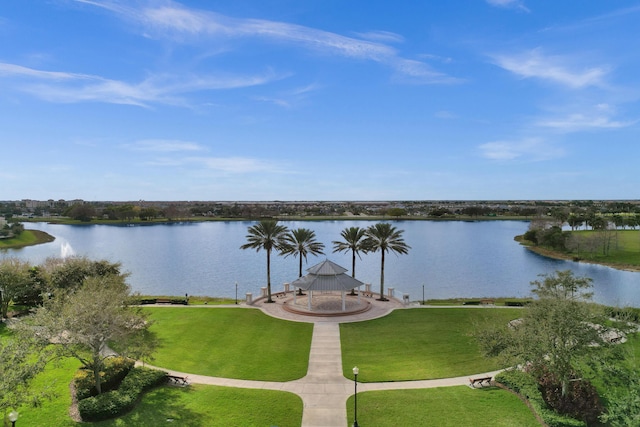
pixel 355 396
pixel 236 293
pixel 13 417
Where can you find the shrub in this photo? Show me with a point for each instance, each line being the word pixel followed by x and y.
pixel 115 369
pixel 581 400
pixel 114 403
pixel 526 386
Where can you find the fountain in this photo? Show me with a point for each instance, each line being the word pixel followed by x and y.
pixel 66 250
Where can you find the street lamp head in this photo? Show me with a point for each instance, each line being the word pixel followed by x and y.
pixel 13 416
pixel 355 370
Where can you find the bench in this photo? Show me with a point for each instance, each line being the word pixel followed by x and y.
pixel 487 302
pixel 481 381
pixel 280 294
pixel 367 294
pixel 163 301
pixel 173 379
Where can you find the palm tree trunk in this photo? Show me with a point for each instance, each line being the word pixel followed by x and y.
pixel 300 275
pixel 269 276
pixel 353 268
pixel 382 298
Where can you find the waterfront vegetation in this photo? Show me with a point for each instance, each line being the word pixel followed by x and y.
pixel 26 238
pixel 614 248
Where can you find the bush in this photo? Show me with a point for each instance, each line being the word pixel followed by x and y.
pixel 115 369
pixel 114 403
pixel 581 401
pixel 526 386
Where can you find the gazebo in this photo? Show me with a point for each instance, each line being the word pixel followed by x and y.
pixel 327 276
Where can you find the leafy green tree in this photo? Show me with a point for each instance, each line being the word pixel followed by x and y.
pixel 557 338
pixel 85 321
pixel 21 358
pixel 70 273
pixel 81 212
pixel 302 242
pixel 270 236
pixel 14 279
pixel 383 237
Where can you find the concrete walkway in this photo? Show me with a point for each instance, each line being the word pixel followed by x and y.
pixel 324 390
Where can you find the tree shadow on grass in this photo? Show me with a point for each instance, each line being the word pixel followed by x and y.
pixel 164 405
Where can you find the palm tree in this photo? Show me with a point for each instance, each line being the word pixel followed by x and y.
pixel 353 240
pixel 267 235
pixel 302 241
pixel 384 237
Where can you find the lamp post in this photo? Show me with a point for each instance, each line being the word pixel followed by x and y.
pixel 236 293
pixel 355 396
pixel 13 417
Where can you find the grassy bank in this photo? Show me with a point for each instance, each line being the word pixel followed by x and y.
pixel 623 254
pixel 26 238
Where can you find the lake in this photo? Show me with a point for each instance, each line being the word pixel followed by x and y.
pixel 447 259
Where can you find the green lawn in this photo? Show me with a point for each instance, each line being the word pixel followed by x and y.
pixel 195 405
pixel 26 238
pixel 442 407
pixel 626 251
pixel 231 343
pixel 418 344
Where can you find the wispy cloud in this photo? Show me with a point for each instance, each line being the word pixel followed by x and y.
pixel 599 117
pixel 530 149
pixel 510 4
pixel 226 165
pixel 558 69
pixel 164 145
pixel 172 20
pixel 65 87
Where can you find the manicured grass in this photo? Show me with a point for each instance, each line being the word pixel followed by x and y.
pixel 442 407
pixel 199 405
pixel 195 405
pixel 231 343
pixel 418 344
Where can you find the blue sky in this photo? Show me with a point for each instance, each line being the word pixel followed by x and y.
pixel 319 99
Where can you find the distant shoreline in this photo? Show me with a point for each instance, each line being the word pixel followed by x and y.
pixel 27 238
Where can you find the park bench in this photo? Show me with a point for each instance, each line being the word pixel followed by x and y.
pixel 481 381
pixel 163 301
pixel 487 302
pixel 367 294
pixel 174 379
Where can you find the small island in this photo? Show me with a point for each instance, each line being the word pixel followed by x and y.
pixel 25 238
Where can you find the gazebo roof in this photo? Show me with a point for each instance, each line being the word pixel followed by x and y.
pixel 327 276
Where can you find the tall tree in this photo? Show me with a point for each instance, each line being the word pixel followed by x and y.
pixel 352 240
pixel 270 236
pixel 558 336
pixel 14 279
pixel 86 320
pixel 302 242
pixel 385 238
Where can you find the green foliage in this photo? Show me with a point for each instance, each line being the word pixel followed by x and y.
pixel 115 370
pixel 526 386
pixel 116 402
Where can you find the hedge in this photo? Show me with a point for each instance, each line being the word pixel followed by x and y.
pixel 114 403
pixel 115 370
pixel 526 386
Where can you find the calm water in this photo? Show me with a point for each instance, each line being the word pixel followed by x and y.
pixel 448 259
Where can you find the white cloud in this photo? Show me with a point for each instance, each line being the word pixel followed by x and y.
pixel 67 87
pixel 600 116
pixel 179 23
pixel 530 149
pixel 558 69
pixel 164 145
pixel 515 4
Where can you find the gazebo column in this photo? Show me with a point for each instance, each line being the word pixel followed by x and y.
pixel 309 296
pixel 343 301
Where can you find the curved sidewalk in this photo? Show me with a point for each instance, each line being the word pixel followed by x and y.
pixel 324 390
